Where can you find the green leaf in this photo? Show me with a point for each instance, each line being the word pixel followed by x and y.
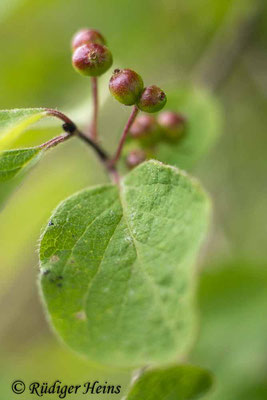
pixel 204 121
pixel 181 382
pixel 12 161
pixel 14 164
pixel 17 131
pixel 117 266
pixel 14 122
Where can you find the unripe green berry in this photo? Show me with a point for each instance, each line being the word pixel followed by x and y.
pixel 143 126
pixel 126 86
pixel 172 123
pixel 135 157
pixel 92 59
pixel 153 99
pixel 86 36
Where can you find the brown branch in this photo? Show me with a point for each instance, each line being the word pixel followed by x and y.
pixel 60 115
pixel 71 130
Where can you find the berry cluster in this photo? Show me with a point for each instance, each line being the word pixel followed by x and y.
pixel 147 132
pixel 128 88
pixel 168 126
pixel 91 57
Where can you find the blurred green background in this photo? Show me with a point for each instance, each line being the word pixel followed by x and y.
pixel 215 45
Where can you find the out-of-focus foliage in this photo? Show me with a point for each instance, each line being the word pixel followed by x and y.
pixel 232 342
pixel 183 382
pixel 165 41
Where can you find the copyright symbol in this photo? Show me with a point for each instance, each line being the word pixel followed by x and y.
pixel 18 387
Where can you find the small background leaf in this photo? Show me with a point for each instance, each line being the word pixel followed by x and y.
pixel 17 131
pixel 181 382
pixel 117 268
pixel 14 122
pixel 12 161
pixel 13 166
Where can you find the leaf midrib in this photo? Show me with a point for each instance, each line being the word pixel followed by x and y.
pixel 145 273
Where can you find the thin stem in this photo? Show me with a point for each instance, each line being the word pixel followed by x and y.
pixel 71 130
pixel 53 142
pixel 103 156
pixel 94 133
pixel 100 152
pixel 60 115
pixel 69 127
pixel 124 135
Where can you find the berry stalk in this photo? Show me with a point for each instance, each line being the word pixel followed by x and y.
pixel 55 141
pixel 94 133
pixel 124 135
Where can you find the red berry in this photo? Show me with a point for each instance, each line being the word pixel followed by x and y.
pixel 153 99
pixel 171 120
pixel 135 157
pixel 126 86
pixel 143 125
pixel 86 36
pixel 172 123
pixel 92 59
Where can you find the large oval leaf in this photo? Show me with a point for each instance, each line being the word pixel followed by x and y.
pixel 181 382
pixel 117 266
